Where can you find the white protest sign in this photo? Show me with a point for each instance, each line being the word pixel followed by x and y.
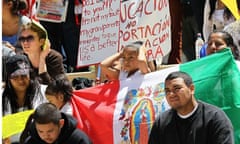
pixel 148 21
pixel 108 25
pixel 99 34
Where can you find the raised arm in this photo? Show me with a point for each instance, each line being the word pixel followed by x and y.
pixel 42 68
pixel 142 61
pixel 111 66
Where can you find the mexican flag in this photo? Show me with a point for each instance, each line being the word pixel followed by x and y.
pixel 122 112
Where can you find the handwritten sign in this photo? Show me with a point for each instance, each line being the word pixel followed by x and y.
pixel 148 21
pixel 109 25
pixel 99 30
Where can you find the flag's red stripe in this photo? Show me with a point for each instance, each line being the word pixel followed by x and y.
pixel 94 108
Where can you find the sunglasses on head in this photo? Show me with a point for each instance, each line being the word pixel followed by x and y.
pixel 27 38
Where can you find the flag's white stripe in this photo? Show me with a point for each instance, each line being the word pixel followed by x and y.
pixel 127 85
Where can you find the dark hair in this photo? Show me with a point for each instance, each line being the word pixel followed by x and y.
pixel 179 74
pixel 81 83
pixel 9 95
pixel 228 39
pixel 62 85
pixel 16 62
pixel 45 113
pixel 18 5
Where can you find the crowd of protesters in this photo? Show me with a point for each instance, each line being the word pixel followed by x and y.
pixel 37 55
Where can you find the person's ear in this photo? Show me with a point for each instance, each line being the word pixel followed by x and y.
pixel 61 123
pixel 42 42
pixel 192 88
pixel 60 96
pixel 10 4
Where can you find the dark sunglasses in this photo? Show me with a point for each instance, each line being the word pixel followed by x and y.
pixel 27 38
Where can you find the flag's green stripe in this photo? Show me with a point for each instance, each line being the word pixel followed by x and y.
pixel 217 81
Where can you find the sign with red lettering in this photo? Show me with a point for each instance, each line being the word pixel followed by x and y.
pixel 99 34
pixel 109 25
pixel 148 21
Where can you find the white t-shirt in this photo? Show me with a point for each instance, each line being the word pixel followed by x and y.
pixel 67 108
pixel 123 75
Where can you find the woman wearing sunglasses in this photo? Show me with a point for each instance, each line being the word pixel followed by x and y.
pixel 46 62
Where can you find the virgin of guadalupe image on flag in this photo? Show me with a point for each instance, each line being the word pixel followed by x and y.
pixel 125 110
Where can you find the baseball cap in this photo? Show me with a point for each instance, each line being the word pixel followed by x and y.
pixel 17 65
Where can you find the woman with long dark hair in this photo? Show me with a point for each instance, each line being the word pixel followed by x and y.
pixel 20 92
